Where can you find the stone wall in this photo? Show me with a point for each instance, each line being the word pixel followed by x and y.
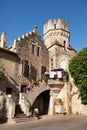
pixel 60 56
pixel 9 62
pixel 77 106
pixel 9 83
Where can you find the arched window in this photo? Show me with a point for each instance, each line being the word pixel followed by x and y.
pixel 63 64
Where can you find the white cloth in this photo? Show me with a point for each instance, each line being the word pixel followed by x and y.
pixel 59 74
pixel 51 74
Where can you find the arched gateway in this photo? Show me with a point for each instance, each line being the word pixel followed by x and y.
pixel 41 98
pixel 37 98
pixel 41 103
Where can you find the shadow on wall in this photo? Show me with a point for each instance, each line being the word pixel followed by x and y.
pixel 7 82
pixel 3 111
pixel 33 73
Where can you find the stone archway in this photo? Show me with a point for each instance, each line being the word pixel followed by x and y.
pixel 42 102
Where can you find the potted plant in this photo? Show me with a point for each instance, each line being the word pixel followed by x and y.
pixel 45 77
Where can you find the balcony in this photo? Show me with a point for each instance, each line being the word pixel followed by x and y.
pixel 56 83
pixel 56 78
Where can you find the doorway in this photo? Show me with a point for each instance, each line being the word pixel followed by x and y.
pixel 42 103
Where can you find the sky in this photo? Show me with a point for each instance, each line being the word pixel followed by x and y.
pixel 18 17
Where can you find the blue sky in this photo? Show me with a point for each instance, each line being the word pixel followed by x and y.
pixel 17 17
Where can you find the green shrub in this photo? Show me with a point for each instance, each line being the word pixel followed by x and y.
pixel 45 77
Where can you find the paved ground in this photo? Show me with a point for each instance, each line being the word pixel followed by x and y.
pixel 57 122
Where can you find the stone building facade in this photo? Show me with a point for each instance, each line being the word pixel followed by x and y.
pixel 33 54
pixel 57 41
pixel 23 64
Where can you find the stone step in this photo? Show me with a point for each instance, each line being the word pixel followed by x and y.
pixel 21 115
pixel 23 118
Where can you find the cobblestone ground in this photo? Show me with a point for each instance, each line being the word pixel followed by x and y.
pixel 56 122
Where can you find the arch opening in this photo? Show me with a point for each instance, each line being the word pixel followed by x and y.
pixel 42 103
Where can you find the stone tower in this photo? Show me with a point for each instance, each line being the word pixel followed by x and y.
pixel 56 39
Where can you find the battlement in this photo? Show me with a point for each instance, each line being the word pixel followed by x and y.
pixel 23 37
pixel 55 24
pixel 28 34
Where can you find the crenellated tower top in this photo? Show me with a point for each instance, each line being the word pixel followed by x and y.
pixel 56 29
pixel 56 24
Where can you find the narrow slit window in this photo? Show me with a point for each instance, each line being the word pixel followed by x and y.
pixel 33 46
pixel 38 51
pixel 54 26
pixel 64 45
pixel 51 63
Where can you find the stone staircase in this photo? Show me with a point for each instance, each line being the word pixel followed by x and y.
pixel 20 116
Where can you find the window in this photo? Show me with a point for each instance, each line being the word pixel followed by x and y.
pixel 8 90
pixel 64 45
pixel 33 46
pixel 38 49
pixel 43 69
pixel 51 63
pixel 63 64
pixel 23 88
pixel 54 26
pixel 25 68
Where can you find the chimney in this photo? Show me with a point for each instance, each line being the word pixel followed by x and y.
pixel 3 40
pixel 35 29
